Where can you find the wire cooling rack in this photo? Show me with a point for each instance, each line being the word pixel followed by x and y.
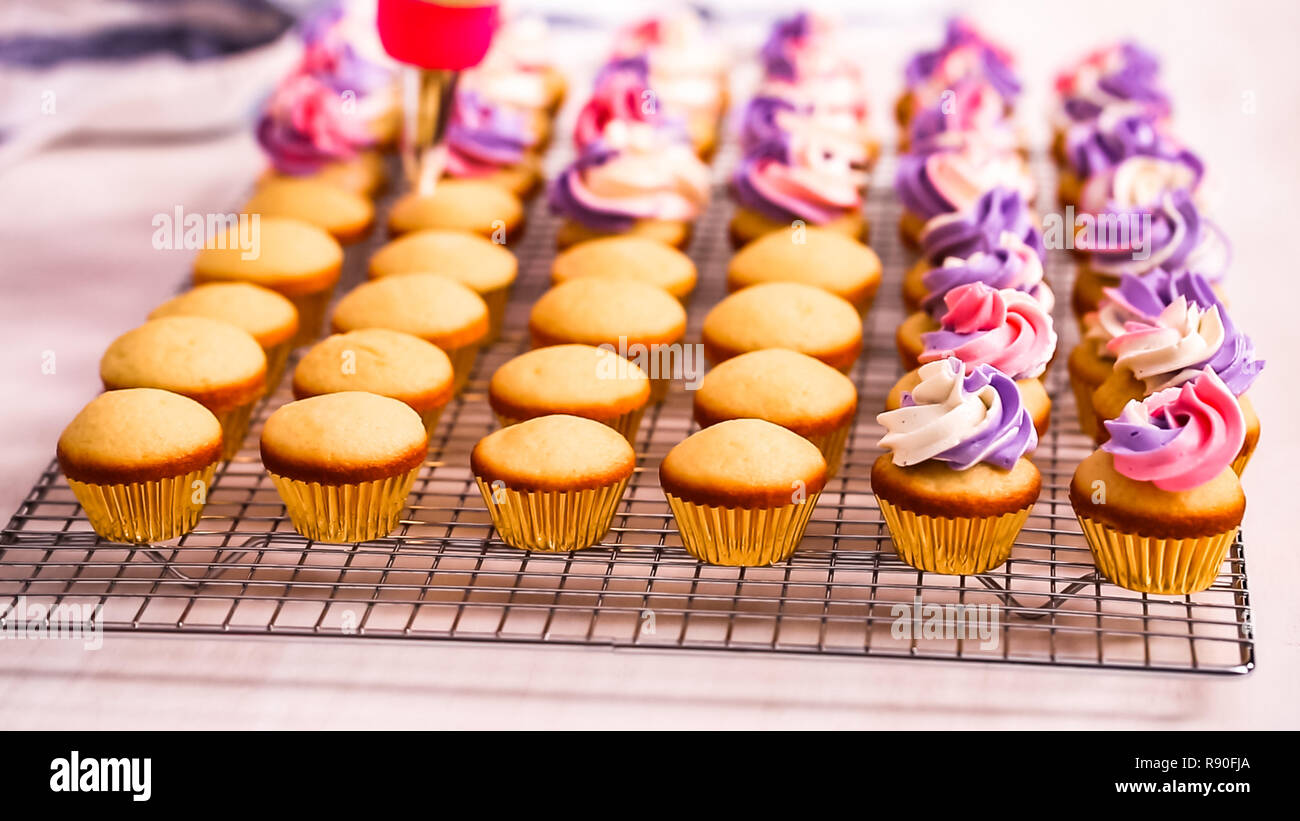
pixel 444 575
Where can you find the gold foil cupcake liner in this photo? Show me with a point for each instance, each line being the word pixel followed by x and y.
pixel 955 545
pixel 311 315
pixel 462 363
pixel 831 444
pixel 554 520
pixel 496 300
pixel 430 419
pixel 741 537
pixel 1243 457
pixel 627 424
pixel 659 389
pixel 345 513
pixel 146 512
pixel 277 357
pixel 1148 564
pixel 234 425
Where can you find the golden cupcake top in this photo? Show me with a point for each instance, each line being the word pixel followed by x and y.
pixel 434 308
pixel 270 318
pixel 343 438
pixel 213 362
pixel 138 435
pixel 467 258
pixel 344 214
pixel 458 205
pixel 745 463
pixel 782 386
pixel 289 256
pixel 557 452
pixel 581 380
pixel 628 257
pixel 377 360
pixel 784 315
pixel 825 259
pixel 595 311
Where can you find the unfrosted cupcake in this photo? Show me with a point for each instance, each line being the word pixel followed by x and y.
pixel 1159 503
pixel 742 491
pixel 1007 330
pixel 461 205
pixel 552 483
pixel 639 321
pixel 216 364
pixel 486 267
pixel 377 360
pixel 140 462
pixel 344 463
pixel 434 308
pixel 270 318
pixel 952 181
pixel 636 180
pixel 812 256
pixel 787 388
pixel 1183 340
pixel 344 214
pixel 784 315
pixel 955 487
pixel 628 257
pixel 1000 221
pixel 291 257
pixel 579 380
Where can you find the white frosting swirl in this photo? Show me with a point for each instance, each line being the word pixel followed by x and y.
pixel 944 415
pixel 1165 354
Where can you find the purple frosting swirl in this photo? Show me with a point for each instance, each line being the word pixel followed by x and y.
pixel 487 133
pixel 998 269
pixel 1170 231
pixel 997 211
pixel 758 122
pixel 776 147
pixel 333 60
pixel 776 53
pixel 1001 441
pixel 1136 80
pixel 1097 146
pixel 918 193
pixel 562 199
pixel 959 34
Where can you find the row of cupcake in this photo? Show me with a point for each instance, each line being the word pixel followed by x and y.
pixel 956 484
pixel 1161 373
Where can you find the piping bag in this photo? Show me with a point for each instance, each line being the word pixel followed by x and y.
pixel 436 41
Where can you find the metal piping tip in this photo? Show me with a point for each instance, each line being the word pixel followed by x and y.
pixel 428 97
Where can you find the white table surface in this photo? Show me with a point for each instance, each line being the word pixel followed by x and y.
pixel 77 268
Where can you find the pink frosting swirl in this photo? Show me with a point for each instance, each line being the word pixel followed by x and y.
pixel 1178 438
pixel 1007 329
pixel 306 125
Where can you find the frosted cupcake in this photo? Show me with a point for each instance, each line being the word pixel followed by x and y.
pixel 955 487
pixel 965 54
pixel 1185 339
pixel 1006 330
pixel 364 81
pixel 1160 504
pixel 140 462
pixel 1095 148
pixel 742 491
pixel 491 142
pixel 1169 233
pixel 344 463
pixel 809 176
pixel 1000 225
pixel 973 112
pixel 952 181
pixel 552 483
pixel 637 181
pixel 1122 76
pixel 622 98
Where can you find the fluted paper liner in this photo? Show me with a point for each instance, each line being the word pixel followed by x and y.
pixel 627 424
pixel 145 512
pixel 955 545
pixel 234 425
pixel 345 513
pixel 462 362
pixel 740 537
pixel 277 356
pixel 831 445
pixel 496 300
pixel 430 419
pixel 552 520
pixel 311 315
pixel 1147 564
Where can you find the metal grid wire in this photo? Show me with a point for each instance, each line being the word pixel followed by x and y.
pixel 444 575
